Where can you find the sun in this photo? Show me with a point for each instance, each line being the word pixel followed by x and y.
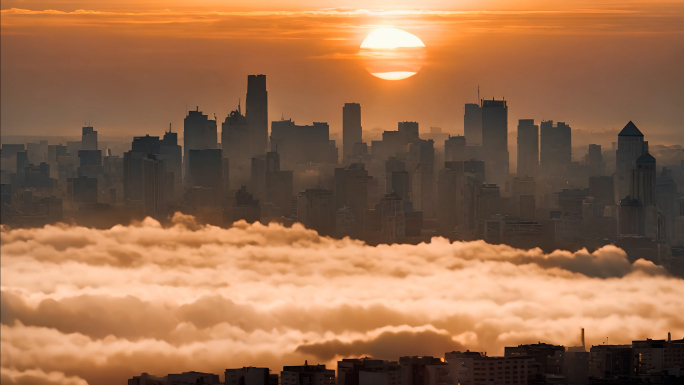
pixel 392 54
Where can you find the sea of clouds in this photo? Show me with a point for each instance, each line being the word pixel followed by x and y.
pixel 87 306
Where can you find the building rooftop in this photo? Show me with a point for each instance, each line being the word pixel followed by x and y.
pixel 630 130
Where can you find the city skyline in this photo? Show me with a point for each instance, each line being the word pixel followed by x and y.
pixel 340 192
pixel 556 60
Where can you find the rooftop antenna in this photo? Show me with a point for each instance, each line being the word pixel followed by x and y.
pixel 282 116
pixel 239 109
pixel 584 348
pixel 478 92
pixel 169 127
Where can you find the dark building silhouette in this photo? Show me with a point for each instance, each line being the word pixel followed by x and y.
pixel 257 113
pixel 351 129
pixel 356 371
pixel 245 207
pixel 141 148
pixel 455 149
pixel 495 139
pixel 250 376
pixel 408 131
pixel 199 133
pixel 82 189
pixel 528 148
pixel 316 210
pixel 88 139
pixel 555 148
pixel 302 144
pixel 172 155
pixel 630 147
pixel 307 374
pixel 351 190
pixel 155 186
pixel 205 177
pixel 472 124
pixel 236 145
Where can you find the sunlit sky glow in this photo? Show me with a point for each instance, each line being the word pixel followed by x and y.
pixel 132 67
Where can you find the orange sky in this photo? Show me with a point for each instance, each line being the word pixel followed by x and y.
pixel 130 68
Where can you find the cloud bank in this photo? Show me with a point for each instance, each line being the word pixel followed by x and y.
pixel 94 306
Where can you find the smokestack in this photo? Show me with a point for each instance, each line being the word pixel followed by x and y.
pixel 669 337
pixel 583 346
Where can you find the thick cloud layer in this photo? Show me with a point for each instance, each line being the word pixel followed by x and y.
pixel 94 306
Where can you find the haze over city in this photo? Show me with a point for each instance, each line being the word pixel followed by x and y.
pixel 341 192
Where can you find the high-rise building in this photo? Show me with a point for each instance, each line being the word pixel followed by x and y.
pixel 495 139
pixel 455 148
pixel 206 172
pixel 528 148
pixel 199 133
pixel 236 146
pixel 555 148
pixel 88 139
pixel 316 210
pixel 257 113
pixel 351 129
pixel 154 186
pixel 302 144
pixel 351 190
pixel 307 374
pixel 172 155
pixel 408 131
pixel 631 146
pixel 472 124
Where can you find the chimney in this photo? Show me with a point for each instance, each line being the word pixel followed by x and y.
pixel 583 346
pixel 669 337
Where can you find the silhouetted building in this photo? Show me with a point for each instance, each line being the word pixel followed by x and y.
pixel 610 361
pixel 351 129
pixel 351 190
pixel 141 148
pixel 367 371
pixel 455 149
pixel 423 370
pixel 82 189
pixel 147 379
pixel 257 113
pixel 408 131
pixel 474 368
pixel 199 133
pixel 172 155
pixel 555 148
pixel 245 207
pixel 307 374
pixel 190 378
pixel 248 376
pixel 528 148
pixel 88 139
pixel 631 146
pixel 472 124
pixel 316 210
pixel 279 191
pixel 236 145
pixel 206 170
pixel 550 357
pixel 302 144
pixel 155 186
pixel 495 139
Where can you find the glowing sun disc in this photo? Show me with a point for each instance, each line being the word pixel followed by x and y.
pixel 392 54
pixel 397 75
pixel 389 38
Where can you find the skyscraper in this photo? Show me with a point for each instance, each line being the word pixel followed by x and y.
pixel 528 148
pixel 199 133
pixel 472 124
pixel 631 146
pixel 88 139
pixel 555 148
pixel 495 139
pixel 257 113
pixel 351 129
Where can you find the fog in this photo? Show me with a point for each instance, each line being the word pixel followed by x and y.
pixel 92 306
